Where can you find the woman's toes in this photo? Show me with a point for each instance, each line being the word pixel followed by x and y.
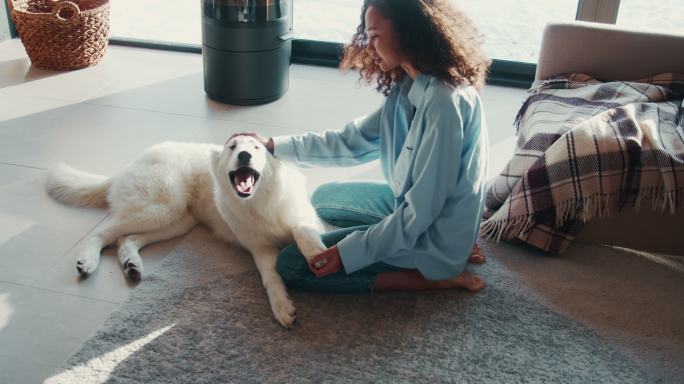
pixel 470 282
pixel 475 284
pixel 477 256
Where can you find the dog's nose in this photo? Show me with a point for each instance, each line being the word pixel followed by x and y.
pixel 244 157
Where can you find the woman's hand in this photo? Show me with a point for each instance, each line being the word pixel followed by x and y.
pixel 326 263
pixel 267 142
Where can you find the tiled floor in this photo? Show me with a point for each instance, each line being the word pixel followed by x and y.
pixel 98 119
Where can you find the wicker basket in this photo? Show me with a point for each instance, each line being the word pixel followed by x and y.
pixel 62 35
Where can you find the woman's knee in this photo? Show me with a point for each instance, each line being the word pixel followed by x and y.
pixel 351 203
pixel 326 201
pixel 323 195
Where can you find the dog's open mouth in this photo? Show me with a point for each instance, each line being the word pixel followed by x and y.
pixel 244 179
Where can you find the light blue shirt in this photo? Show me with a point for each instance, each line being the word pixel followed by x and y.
pixel 437 170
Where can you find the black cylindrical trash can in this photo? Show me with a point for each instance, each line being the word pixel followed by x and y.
pixel 246 48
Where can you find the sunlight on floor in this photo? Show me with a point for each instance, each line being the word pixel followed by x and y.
pixel 11 226
pixel 18 110
pixel 499 156
pixel 6 310
pixel 104 365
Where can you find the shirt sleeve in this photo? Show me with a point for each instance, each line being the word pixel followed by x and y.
pixel 357 143
pixel 422 220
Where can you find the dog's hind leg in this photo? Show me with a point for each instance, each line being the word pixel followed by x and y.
pixel 111 229
pixel 129 245
pixel 281 305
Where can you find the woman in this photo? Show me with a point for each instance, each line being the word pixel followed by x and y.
pixel 417 231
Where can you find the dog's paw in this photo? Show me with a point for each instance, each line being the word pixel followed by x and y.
pixel 308 241
pixel 311 248
pixel 85 266
pixel 285 312
pixel 133 270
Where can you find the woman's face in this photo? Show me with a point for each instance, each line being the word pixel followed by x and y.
pixel 382 43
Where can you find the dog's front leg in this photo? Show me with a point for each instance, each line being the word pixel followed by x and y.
pixel 308 241
pixel 281 305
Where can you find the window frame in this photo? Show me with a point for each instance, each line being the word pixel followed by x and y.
pixel 600 11
pixel 10 23
pixel 323 53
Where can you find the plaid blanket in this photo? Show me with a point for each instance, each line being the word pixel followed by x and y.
pixel 586 149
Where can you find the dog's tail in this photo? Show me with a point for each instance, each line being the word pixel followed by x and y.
pixel 82 189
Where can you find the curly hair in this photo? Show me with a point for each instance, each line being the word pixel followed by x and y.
pixel 434 36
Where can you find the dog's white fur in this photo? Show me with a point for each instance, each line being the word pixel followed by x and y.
pixel 172 187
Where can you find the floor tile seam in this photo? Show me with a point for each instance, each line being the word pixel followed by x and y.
pixel 7 92
pixel 75 244
pixel 77 100
pixel 146 110
pixel 340 82
pixel 89 102
pixel 59 292
pixel 265 125
pixel 95 93
pixel 23 166
pixel 215 118
pixel 81 99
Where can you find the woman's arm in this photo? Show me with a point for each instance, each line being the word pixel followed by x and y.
pixel 357 143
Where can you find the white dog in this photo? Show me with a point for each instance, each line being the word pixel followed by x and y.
pixel 240 191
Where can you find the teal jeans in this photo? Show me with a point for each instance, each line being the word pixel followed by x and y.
pixel 353 206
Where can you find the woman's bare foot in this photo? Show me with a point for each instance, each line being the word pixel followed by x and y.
pixel 465 280
pixel 411 280
pixel 477 256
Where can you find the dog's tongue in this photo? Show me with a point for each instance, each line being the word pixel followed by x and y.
pixel 244 181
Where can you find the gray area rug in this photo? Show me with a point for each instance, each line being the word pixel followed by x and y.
pixel 203 317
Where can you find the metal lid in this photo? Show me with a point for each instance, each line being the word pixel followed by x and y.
pixel 245 11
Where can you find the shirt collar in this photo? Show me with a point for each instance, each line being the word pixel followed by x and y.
pixel 418 88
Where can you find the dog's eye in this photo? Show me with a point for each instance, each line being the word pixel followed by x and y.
pixel 232 146
pixel 256 147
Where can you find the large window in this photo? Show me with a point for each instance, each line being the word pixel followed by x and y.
pixel 327 20
pixel 664 16
pixel 170 21
pixel 512 28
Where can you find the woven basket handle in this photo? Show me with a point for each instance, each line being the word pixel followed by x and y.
pixel 75 11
